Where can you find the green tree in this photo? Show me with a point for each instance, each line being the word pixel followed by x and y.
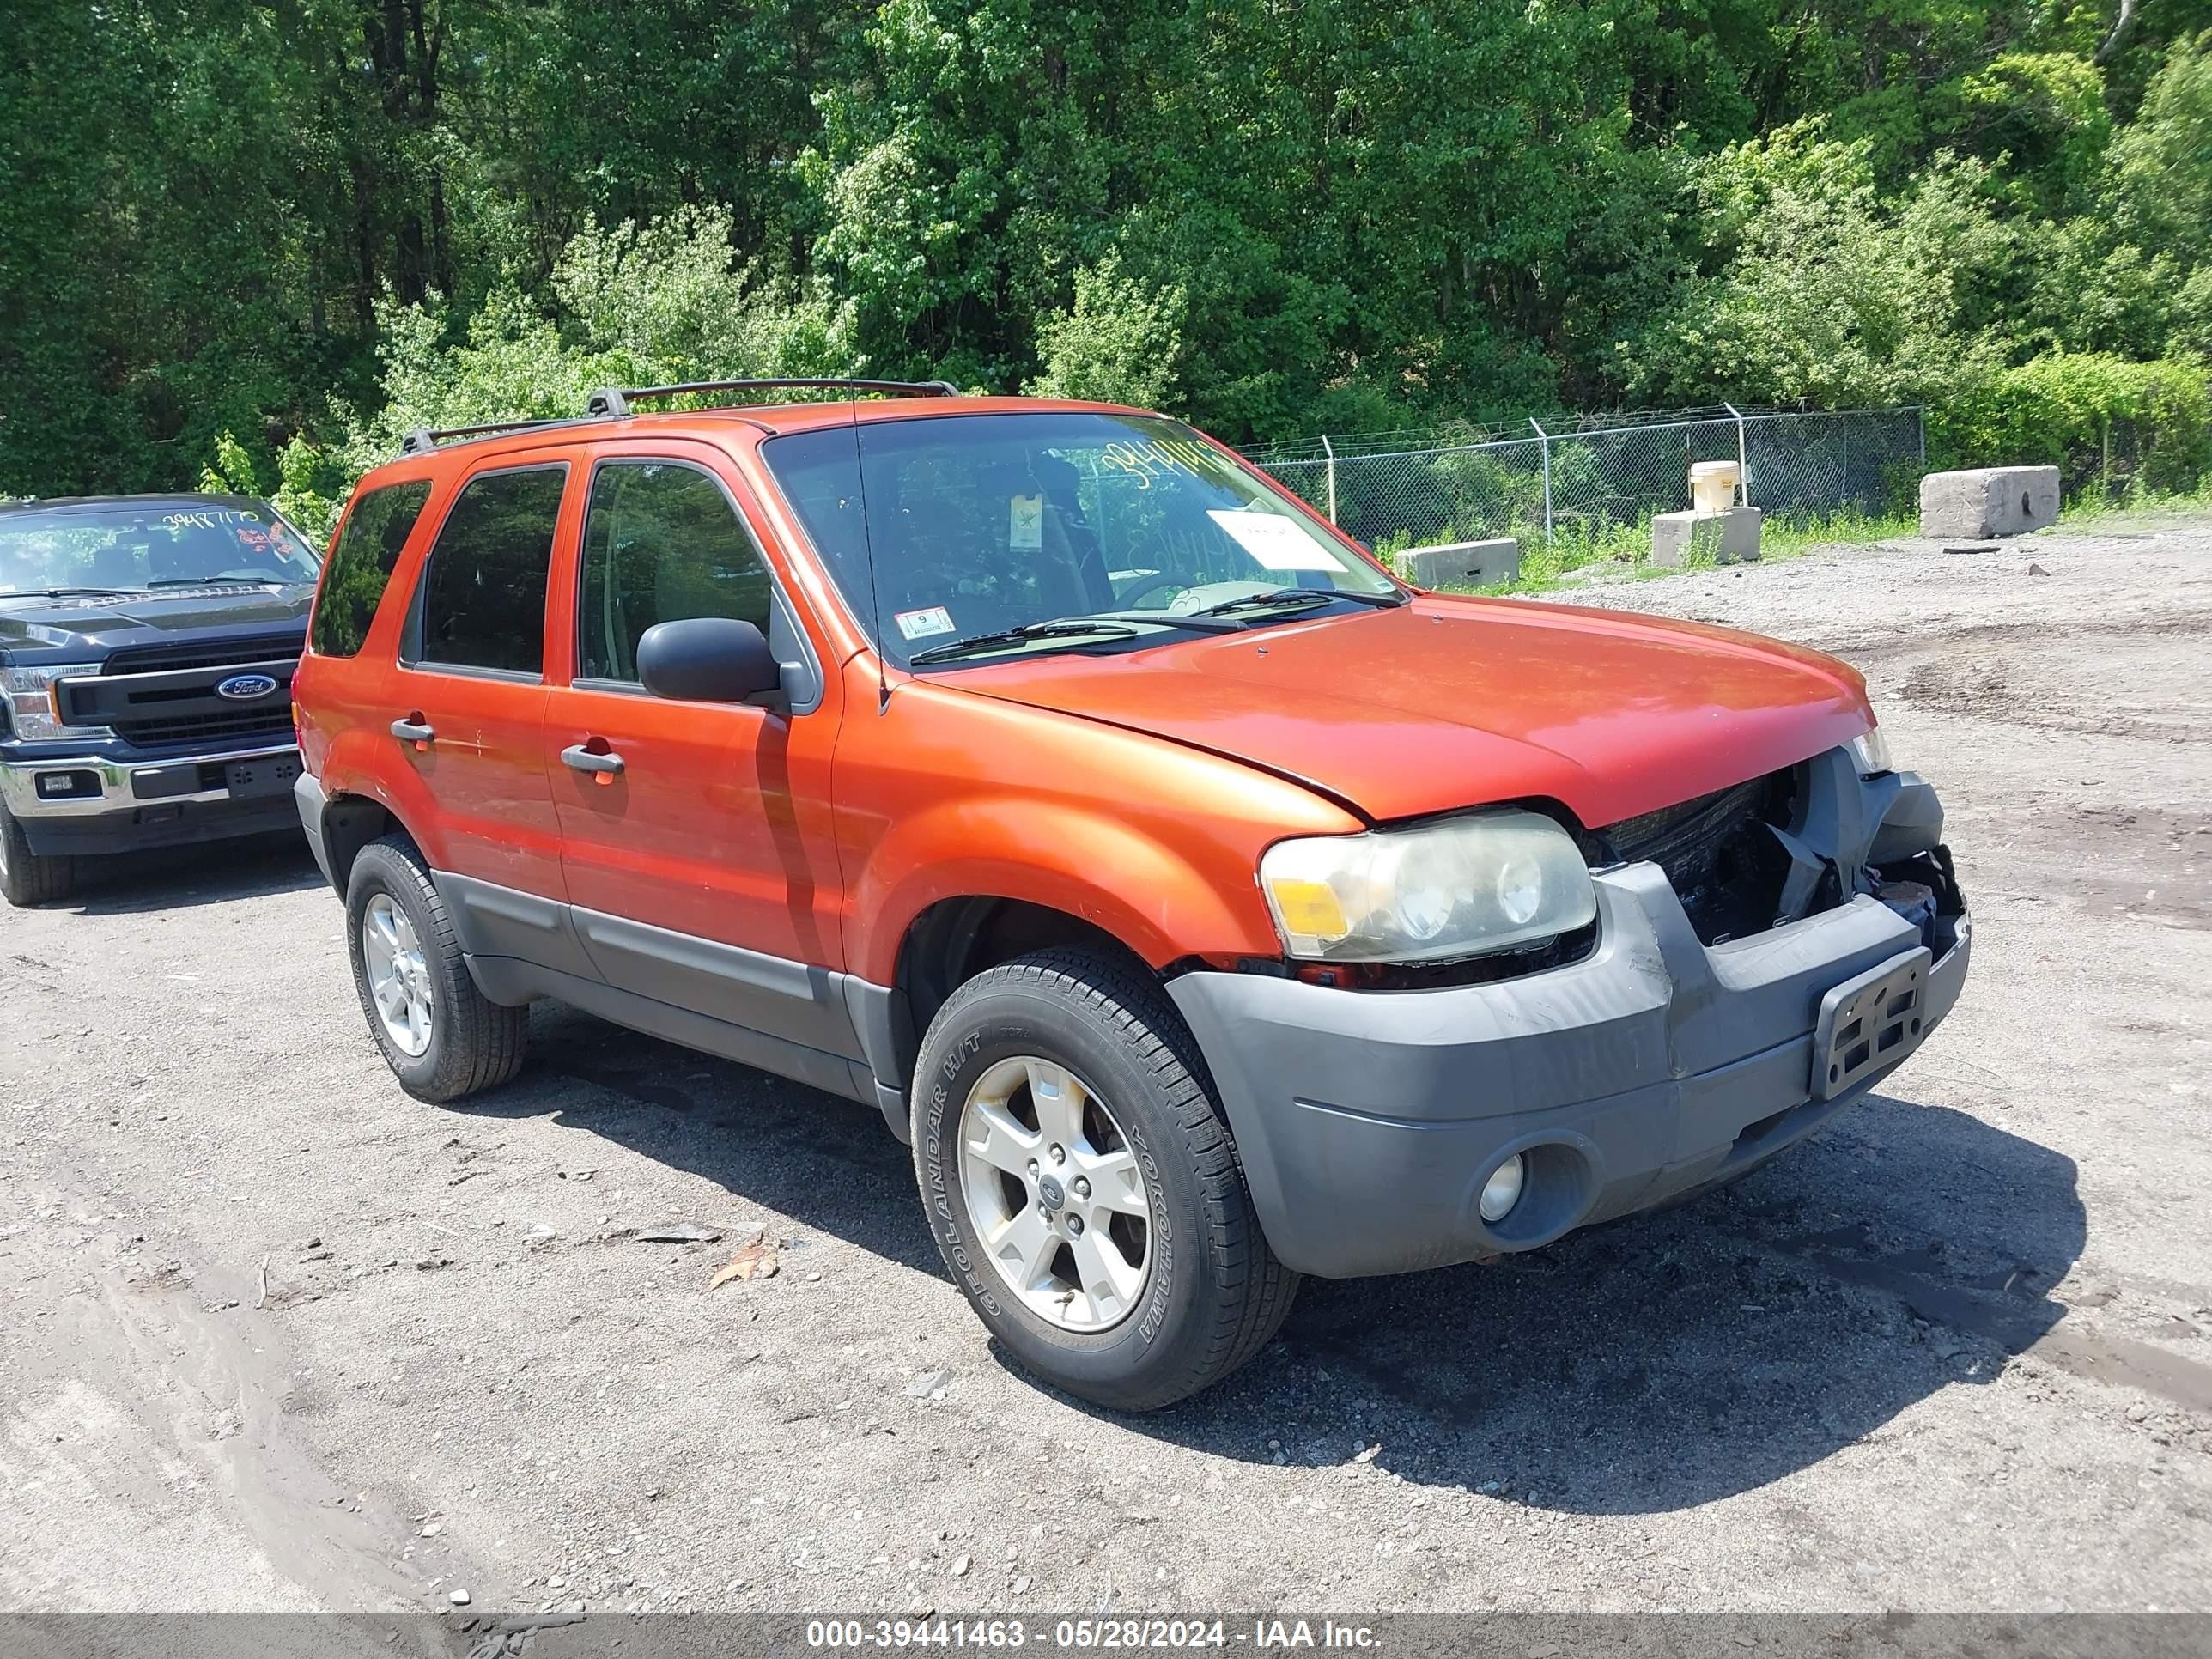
pixel 1117 344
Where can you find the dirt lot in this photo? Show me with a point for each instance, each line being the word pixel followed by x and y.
pixel 273 1335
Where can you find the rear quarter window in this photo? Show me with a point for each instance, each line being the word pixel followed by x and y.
pixel 361 563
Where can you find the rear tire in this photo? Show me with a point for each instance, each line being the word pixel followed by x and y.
pixel 468 1042
pixel 1191 1289
pixel 28 877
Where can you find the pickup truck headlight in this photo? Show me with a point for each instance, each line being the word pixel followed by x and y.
pixel 1459 887
pixel 31 706
pixel 1871 751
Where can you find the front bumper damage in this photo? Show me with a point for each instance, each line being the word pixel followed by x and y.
pixel 1368 1121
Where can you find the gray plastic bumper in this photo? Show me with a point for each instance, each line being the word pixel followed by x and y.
pixel 1368 1122
pixel 309 800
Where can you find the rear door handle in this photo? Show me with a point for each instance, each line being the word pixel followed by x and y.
pixel 413 730
pixel 578 759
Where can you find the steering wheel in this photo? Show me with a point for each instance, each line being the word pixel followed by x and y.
pixel 1158 579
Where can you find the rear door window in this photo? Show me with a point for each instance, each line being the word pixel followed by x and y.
pixel 661 543
pixel 482 602
pixel 361 563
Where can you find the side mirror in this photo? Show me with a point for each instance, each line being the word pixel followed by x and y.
pixel 707 660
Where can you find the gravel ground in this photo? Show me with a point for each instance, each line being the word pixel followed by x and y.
pixel 274 1336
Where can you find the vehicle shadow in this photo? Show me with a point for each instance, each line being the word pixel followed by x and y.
pixel 1668 1360
pixel 179 878
pixel 827 1162
pixel 1653 1364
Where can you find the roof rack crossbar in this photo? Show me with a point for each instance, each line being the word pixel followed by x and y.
pixel 614 402
pixel 421 440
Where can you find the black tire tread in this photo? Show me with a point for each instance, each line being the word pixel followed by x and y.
pixel 30 878
pixel 483 1043
pixel 1256 1290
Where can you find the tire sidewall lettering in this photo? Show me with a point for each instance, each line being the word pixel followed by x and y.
pixel 939 1157
pixel 938 1133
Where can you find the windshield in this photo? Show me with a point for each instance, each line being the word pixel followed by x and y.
pixel 141 545
pixel 979 526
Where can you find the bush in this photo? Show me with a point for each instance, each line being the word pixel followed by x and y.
pixel 2104 422
pixel 1118 344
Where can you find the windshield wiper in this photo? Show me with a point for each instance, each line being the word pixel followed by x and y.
pixel 1302 599
pixel 88 593
pixel 220 582
pixel 1107 624
pixel 1064 628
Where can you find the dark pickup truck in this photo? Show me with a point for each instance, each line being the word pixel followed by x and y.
pixel 147 649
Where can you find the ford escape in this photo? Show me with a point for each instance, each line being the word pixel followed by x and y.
pixel 1205 908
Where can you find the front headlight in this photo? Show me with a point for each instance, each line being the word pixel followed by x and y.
pixel 1871 751
pixel 31 704
pixel 1456 888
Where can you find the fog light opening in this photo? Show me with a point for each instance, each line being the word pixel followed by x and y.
pixel 67 786
pixel 1503 1190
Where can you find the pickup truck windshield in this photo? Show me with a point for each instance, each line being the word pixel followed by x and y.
pixel 990 535
pixel 145 546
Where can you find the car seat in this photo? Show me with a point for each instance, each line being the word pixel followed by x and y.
pixel 1063 498
pixel 118 564
pixel 1060 585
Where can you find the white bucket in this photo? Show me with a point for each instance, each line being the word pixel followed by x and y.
pixel 1712 485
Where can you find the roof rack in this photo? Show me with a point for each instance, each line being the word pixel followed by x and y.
pixel 614 402
pixel 421 440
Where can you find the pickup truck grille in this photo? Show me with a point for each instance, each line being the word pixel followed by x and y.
pixel 1725 867
pixel 229 655
pixel 160 697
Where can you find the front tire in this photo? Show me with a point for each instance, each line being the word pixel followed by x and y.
pixel 1082 1185
pixel 28 877
pixel 442 1038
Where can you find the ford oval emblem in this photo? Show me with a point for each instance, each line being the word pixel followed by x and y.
pixel 244 688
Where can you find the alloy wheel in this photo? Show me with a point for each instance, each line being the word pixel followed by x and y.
pixel 398 977
pixel 1058 1200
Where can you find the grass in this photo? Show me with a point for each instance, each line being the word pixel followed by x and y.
pixel 1547 567
pixel 2136 506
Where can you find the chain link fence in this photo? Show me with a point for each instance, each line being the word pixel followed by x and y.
pixel 1583 478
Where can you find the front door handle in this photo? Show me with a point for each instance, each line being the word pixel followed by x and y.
pixel 605 764
pixel 414 730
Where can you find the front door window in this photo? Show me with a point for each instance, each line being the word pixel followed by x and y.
pixel 661 545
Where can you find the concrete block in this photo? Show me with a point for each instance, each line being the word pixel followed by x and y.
pixel 1990 500
pixel 1475 564
pixel 1728 537
pixel 1671 536
pixel 1740 532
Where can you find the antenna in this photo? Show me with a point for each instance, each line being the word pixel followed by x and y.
pixel 868 543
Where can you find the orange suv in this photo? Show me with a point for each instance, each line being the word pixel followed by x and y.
pixel 1205 907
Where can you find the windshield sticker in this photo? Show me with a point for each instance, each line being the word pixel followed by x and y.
pixel 1275 541
pixel 210 520
pixel 921 624
pixel 1026 524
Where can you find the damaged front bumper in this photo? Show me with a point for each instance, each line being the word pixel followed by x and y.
pixel 1368 1122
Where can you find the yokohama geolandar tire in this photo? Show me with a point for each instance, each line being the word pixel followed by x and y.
pixel 1082 1185
pixel 440 1037
pixel 26 877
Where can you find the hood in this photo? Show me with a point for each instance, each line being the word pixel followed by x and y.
pixel 1448 702
pixel 101 624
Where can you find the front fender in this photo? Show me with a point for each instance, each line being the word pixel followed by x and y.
pixel 948 795
pixel 1088 866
